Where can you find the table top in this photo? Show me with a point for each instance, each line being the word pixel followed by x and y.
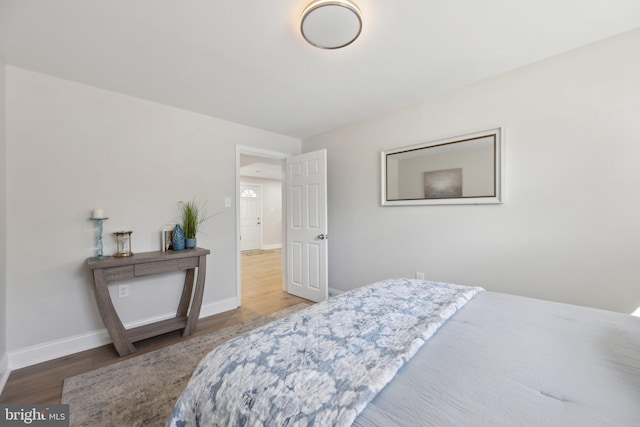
pixel 144 257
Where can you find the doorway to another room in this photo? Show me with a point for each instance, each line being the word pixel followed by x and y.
pixel 298 239
pixel 261 212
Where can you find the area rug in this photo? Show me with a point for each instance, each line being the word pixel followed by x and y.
pixel 142 390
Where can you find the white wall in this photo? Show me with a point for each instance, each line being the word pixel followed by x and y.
pixel 569 229
pixel 73 148
pixel 271 210
pixel 3 233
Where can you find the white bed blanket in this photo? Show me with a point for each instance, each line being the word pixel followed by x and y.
pixel 506 360
pixel 320 366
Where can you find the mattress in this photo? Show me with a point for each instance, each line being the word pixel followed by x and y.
pixel 505 360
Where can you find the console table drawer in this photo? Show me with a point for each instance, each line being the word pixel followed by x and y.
pixel 188 263
pixel 118 273
pixel 156 267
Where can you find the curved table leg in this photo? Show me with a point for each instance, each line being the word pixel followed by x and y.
pixel 109 315
pixel 194 313
pixel 187 292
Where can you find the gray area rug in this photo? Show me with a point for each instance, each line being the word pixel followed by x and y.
pixel 142 390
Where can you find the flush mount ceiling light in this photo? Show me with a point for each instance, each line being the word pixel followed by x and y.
pixel 331 24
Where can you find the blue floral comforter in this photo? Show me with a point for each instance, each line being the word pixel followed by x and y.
pixel 319 366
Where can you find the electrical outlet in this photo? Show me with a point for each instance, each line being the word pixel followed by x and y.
pixel 123 291
pixel 419 275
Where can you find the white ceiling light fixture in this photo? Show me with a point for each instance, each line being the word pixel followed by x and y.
pixel 331 24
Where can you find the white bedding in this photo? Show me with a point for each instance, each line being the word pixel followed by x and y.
pixel 505 360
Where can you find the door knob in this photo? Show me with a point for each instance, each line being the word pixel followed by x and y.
pixel 322 236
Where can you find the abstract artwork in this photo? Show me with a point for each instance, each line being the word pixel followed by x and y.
pixel 442 184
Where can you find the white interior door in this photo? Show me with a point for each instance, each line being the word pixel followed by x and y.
pixel 250 217
pixel 307 225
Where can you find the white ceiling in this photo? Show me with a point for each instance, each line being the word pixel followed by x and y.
pixel 245 61
pixel 261 167
pixel 262 170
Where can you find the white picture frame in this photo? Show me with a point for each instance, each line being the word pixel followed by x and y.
pixel 477 155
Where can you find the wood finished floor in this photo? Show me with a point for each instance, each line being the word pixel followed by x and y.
pixel 261 294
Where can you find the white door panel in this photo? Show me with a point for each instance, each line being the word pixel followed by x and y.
pixel 250 217
pixel 307 225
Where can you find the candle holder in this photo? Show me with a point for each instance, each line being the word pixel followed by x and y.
pixel 124 243
pixel 99 248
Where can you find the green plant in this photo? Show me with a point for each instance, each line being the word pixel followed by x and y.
pixel 192 216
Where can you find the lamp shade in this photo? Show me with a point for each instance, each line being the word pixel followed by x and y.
pixel 331 24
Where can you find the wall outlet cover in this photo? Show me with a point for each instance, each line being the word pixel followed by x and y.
pixel 123 291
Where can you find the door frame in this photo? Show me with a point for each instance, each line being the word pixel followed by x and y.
pixel 253 151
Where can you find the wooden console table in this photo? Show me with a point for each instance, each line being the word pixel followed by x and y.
pixel 142 264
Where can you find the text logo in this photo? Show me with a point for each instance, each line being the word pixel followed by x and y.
pixel 34 415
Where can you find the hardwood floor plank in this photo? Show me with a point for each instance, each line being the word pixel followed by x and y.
pixel 262 294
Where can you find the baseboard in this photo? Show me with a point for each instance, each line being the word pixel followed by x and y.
pixel 333 292
pixel 218 307
pixel 270 247
pixel 50 350
pixel 4 371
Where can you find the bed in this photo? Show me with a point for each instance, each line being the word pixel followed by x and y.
pixel 408 352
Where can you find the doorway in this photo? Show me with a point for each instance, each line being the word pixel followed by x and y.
pixel 260 202
pixel 303 219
